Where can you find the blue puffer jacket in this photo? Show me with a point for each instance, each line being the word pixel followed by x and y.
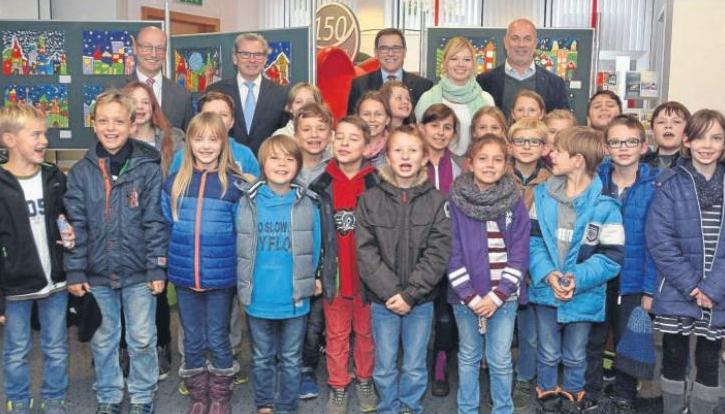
pixel 638 273
pixel 674 238
pixel 595 254
pixel 202 244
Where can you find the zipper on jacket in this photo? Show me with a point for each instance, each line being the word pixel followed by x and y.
pixel 197 230
pixel 404 263
pixel 699 214
pixel 106 187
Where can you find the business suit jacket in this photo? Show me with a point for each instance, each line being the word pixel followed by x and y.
pixel 374 81
pixel 175 101
pixel 551 87
pixel 269 113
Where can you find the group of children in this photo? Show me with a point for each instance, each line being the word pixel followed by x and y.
pixel 372 229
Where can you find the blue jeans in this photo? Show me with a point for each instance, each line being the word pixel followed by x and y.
pixel 53 343
pixel 388 330
pixel 499 333
pixel 527 339
pixel 273 340
pixel 565 343
pixel 139 309
pixel 205 319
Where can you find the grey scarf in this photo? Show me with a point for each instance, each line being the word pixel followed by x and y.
pixel 489 204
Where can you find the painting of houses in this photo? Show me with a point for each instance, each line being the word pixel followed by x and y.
pixel 52 99
pixel 90 92
pixel 559 56
pixel 484 59
pixel 277 67
pixel 197 68
pixel 31 52
pixel 107 53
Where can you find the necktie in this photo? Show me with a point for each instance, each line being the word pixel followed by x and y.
pixel 392 77
pixel 249 105
pixel 150 82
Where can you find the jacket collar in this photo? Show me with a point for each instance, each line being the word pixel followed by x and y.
pixel 141 153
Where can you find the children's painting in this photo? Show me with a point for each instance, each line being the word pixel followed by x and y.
pixel 90 92
pixel 107 53
pixel 484 60
pixel 52 99
pixel 277 68
pixel 32 52
pixel 559 56
pixel 197 68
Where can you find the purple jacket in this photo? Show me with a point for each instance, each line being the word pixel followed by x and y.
pixel 469 277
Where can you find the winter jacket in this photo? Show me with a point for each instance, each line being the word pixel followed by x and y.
pixel 595 254
pixel 403 240
pixel 469 256
pixel 540 176
pixel 21 271
pixel 121 234
pixel 638 274
pixel 322 186
pixel 202 240
pixel 675 241
pixel 653 159
pixel 304 243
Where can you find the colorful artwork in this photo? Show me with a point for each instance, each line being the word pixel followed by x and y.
pixel 30 52
pixel 197 68
pixel 484 60
pixel 49 98
pixel 277 68
pixel 559 56
pixel 90 92
pixel 107 53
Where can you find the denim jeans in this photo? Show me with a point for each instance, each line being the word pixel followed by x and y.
pixel 528 343
pixel 499 333
pixel 565 343
pixel 205 320
pixel 235 329
pixel 388 330
pixel 273 340
pixel 139 309
pixel 53 343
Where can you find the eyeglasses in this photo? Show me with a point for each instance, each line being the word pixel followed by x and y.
pixel 149 48
pixel 390 49
pixel 251 55
pixel 624 143
pixel 532 142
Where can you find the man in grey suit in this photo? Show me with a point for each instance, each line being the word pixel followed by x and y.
pixel 259 102
pixel 149 46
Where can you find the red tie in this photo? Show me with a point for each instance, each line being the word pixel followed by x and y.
pixel 150 82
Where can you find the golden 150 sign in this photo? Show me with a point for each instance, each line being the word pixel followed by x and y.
pixel 337 27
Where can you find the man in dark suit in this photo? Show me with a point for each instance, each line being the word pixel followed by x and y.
pixel 520 72
pixel 259 102
pixel 390 51
pixel 149 47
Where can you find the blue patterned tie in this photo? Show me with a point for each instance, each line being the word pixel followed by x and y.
pixel 249 105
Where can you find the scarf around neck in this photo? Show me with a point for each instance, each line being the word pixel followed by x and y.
pixel 469 94
pixel 709 193
pixel 488 204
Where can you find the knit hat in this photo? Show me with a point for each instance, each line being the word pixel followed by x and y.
pixel 636 348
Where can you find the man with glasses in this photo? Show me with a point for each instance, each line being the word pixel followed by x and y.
pixel 149 46
pixel 520 72
pixel 390 51
pixel 259 102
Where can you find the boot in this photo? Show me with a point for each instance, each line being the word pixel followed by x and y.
pixel 703 399
pixel 221 382
pixel 673 396
pixel 197 383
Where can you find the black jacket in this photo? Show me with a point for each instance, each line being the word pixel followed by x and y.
pixel 20 269
pixel 551 87
pixel 374 81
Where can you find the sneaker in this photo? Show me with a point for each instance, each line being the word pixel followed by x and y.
pixel 593 406
pixel 182 388
pixel 124 361
pixel 141 408
pixel 53 407
pixel 164 355
pixel 105 408
pixel 522 395
pixel 337 402
pixel 406 410
pixel 308 387
pixel 20 407
pixel 366 398
pixel 242 376
pixel 621 406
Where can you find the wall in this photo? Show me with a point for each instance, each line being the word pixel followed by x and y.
pixel 696 54
pixel 235 15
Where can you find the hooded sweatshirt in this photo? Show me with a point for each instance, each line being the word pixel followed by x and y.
pixel 566 216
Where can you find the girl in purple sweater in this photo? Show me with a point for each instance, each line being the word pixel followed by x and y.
pixel 489 257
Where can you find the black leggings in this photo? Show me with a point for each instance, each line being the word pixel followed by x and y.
pixel 676 353
pixel 446 330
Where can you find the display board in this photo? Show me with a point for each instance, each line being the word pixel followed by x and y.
pixel 201 59
pixel 61 66
pixel 566 52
